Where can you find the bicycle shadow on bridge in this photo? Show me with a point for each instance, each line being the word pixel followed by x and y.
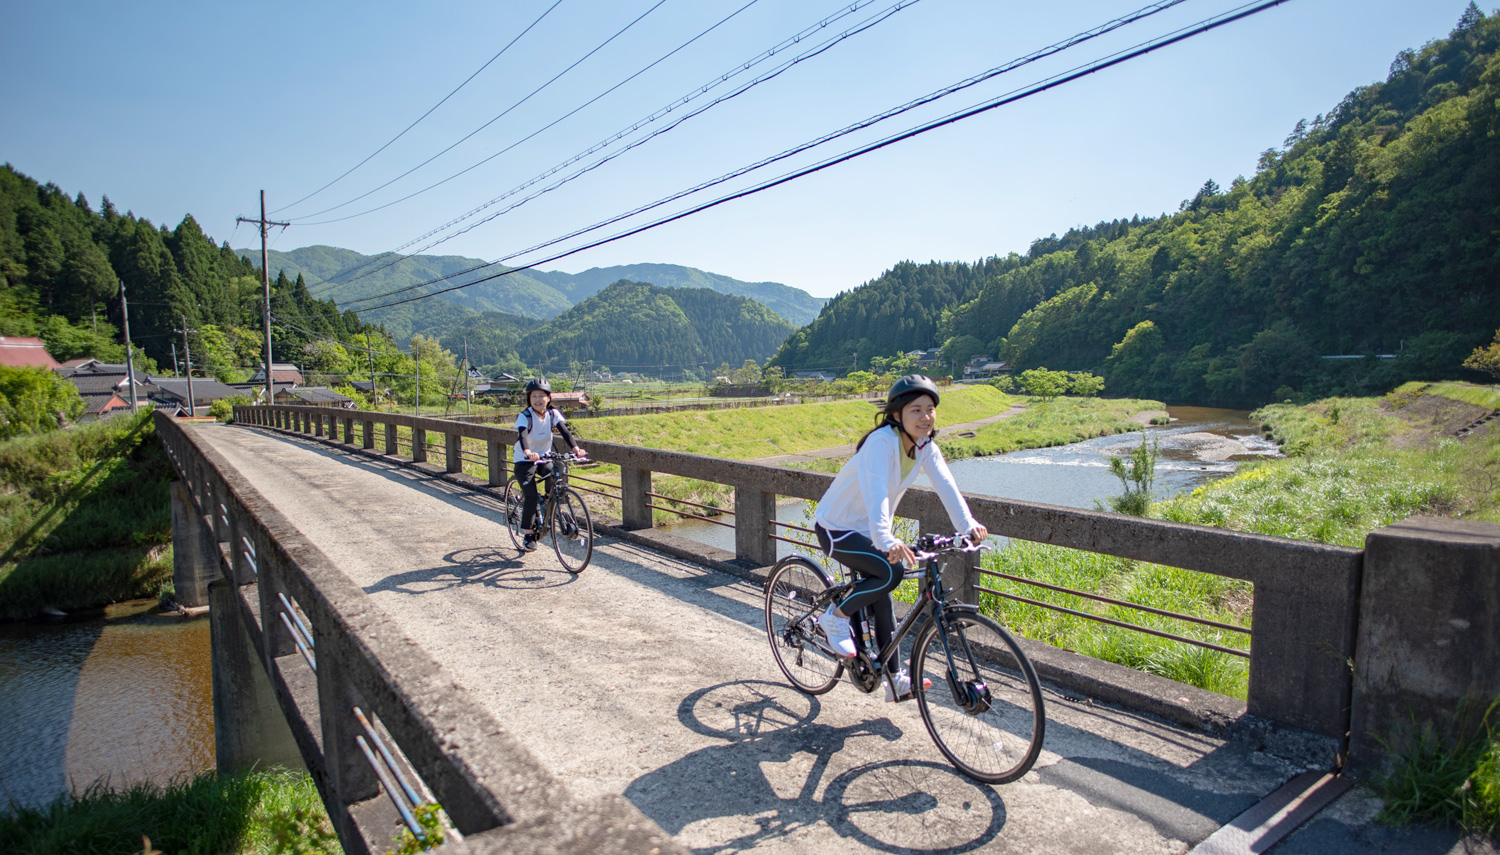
pixel 779 772
pixel 493 567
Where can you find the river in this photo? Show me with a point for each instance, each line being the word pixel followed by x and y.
pixel 127 696
pixel 1198 446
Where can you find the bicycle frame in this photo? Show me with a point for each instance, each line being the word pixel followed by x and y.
pixel 555 481
pixel 931 599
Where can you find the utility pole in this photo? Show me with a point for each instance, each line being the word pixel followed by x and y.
pixel 129 351
pixel 466 376
pixel 371 351
pixel 188 356
pixel 265 277
pixel 416 407
pixel 176 372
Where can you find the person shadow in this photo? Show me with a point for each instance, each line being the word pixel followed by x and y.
pixel 493 567
pixel 778 772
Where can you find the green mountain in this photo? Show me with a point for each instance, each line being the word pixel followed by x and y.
pixel 794 304
pixel 1373 230
pixel 530 293
pixel 636 326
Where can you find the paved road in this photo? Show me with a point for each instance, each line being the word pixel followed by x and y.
pixel 651 678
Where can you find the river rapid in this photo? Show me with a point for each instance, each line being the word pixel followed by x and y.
pixel 127 696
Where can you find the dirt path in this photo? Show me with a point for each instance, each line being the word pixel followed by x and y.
pixel 848 450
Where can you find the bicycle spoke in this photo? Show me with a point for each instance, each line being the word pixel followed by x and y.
pixel 572 532
pixel 792 596
pixel 979 697
pixel 510 505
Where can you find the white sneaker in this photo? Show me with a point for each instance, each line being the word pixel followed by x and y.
pixel 898 686
pixel 837 630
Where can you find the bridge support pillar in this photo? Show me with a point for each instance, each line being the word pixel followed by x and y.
pixel 453 448
pixel 634 485
pixel 754 513
pixel 250 729
pixel 390 438
pixel 349 430
pixel 418 445
pixel 369 434
pixel 195 554
pixel 1427 654
pixel 498 466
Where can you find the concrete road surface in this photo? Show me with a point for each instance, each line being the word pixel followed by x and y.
pixel 652 678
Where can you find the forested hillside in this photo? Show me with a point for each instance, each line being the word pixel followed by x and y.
pixel 62 262
pixel 1374 229
pixel 636 326
pixel 794 304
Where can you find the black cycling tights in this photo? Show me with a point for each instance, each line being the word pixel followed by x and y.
pixel 872 592
pixel 528 489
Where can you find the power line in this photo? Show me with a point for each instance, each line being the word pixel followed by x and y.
pixel 497 118
pixel 868 122
pixel 661 112
pixel 424 115
pixel 1015 95
pixel 545 127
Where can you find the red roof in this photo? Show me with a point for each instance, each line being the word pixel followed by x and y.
pixel 17 351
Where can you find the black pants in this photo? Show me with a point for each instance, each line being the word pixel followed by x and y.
pixel 873 592
pixel 523 473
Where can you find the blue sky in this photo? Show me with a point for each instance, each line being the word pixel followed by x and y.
pixel 174 108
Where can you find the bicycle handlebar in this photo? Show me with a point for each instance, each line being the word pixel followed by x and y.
pixel 932 545
pixel 567 457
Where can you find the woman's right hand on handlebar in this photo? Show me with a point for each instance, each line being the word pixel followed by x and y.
pixel 532 456
pixel 902 554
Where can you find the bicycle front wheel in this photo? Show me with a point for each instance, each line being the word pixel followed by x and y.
pixel 793 592
pixel 511 503
pixel 979 697
pixel 572 532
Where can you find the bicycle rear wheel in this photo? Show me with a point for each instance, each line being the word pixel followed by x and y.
pixel 979 697
pixel 572 531
pixel 792 593
pixel 511 503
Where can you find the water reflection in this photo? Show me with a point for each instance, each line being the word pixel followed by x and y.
pixel 127 698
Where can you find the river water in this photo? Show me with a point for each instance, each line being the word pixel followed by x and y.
pixel 1198 446
pixel 127 696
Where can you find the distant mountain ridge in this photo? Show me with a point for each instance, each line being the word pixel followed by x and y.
pixel 542 294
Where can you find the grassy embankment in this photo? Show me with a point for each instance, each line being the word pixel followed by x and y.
pixel 254 813
pixel 84 518
pixel 1353 465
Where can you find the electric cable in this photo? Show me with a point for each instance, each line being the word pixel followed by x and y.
pixel 693 94
pixel 497 118
pixel 1035 56
pixel 1045 85
pixel 424 115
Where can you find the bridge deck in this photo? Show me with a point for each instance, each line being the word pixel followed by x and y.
pixel 651 678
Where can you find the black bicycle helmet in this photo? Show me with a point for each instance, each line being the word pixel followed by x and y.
pixel 537 383
pixel 910 386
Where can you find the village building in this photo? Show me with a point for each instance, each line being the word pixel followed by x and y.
pixel 25 351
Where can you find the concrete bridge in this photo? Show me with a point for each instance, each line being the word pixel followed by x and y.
pixel 371 620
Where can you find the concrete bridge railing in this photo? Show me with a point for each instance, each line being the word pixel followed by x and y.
pixel 1321 614
pixel 369 711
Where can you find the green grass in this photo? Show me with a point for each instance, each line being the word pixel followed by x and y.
pixel 1435 780
pixel 84 517
pixel 1480 396
pixel 1049 423
pixel 254 813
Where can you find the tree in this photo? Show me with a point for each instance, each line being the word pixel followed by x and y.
pixel 1084 384
pixel 33 400
pixel 1137 474
pixel 748 374
pixel 960 349
pixel 1486 359
pixel 1044 384
pixel 1003 382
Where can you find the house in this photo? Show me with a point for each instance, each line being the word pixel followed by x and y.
pixel 570 400
pixel 171 393
pixel 988 368
pixel 23 351
pixel 104 386
pixel 929 358
pixel 822 376
pixel 313 396
pixel 281 372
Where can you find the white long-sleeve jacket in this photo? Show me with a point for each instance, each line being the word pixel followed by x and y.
pixel 867 490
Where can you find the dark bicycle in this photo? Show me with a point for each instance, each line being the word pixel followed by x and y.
pixel 977 692
pixel 560 514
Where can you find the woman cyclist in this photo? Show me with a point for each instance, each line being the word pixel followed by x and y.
pixel 534 437
pixel 853 522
